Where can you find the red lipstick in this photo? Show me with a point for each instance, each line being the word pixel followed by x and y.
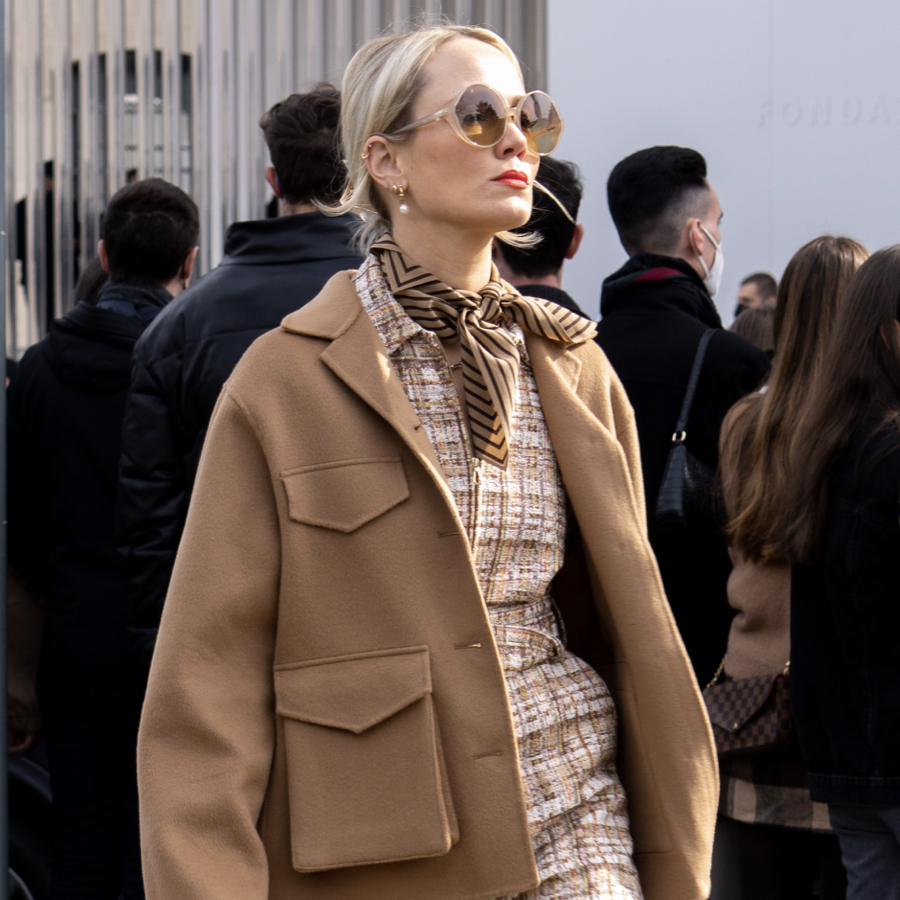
pixel 514 178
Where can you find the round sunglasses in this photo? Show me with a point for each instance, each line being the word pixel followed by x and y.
pixel 480 114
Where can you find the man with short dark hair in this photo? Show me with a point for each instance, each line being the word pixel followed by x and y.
pixel 66 406
pixel 654 311
pixel 537 270
pixel 758 289
pixel 148 247
pixel 271 267
pixel 301 134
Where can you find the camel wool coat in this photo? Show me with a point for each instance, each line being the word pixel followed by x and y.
pixel 326 717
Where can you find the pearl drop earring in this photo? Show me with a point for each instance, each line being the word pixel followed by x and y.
pixel 404 206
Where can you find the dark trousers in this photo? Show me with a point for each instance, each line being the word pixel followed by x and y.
pixel 764 862
pixel 870 844
pixel 96 847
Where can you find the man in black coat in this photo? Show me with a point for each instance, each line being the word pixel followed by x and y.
pixel 654 311
pixel 537 271
pixel 271 267
pixel 66 405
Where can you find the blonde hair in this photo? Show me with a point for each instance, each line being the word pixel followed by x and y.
pixel 377 94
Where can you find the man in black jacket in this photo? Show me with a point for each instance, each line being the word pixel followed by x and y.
pixel 66 406
pixel 271 267
pixel 537 271
pixel 654 311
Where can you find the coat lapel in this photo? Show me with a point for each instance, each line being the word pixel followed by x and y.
pixel 590 456
pixel 358 357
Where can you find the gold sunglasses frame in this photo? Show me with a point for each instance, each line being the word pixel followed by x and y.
pixel 449 113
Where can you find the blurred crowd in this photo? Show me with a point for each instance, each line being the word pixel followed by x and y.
pixel 783 591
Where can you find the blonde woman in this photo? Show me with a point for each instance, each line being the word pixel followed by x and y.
pixel 416 540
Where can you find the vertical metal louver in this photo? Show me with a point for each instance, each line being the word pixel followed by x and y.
pixel 100 91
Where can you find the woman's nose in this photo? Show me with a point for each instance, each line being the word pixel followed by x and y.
pixel 513 141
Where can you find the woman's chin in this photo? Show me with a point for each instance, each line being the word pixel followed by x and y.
pixel 476 220
pixel 519 215
pixel 507 219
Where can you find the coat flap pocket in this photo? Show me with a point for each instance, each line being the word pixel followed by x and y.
pixel 732 704
pixel 345 495
pixel 353 692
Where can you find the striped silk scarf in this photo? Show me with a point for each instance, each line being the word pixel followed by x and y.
pixel 490 359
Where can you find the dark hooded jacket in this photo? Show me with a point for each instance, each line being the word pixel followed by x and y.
pixel 271 267
pixel 66 405
pixel 654 311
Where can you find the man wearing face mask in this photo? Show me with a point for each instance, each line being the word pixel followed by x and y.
pixel 654 311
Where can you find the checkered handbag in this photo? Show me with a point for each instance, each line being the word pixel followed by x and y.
pixel 750 714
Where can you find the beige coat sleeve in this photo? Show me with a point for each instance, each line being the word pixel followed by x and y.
pixel 626 432
pixel 207 731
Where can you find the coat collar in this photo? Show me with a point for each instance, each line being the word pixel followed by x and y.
pixel 650 283
pixel 582 443
pixel 337 315
pixel 357 355
pixel 304 237
pixel 329 314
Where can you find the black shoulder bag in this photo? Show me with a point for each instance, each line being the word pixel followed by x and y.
pixel 687 494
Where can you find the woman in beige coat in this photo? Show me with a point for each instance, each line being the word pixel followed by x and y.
pixel 415 644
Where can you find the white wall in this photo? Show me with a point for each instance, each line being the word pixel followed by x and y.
pixel 795 105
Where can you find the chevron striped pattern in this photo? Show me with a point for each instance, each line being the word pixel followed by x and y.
pixel 489 355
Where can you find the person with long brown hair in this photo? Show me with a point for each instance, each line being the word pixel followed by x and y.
pixel 843 488
pixel 781 837
pixel 757 325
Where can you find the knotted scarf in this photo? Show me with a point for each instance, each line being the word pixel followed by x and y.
pixel 490 359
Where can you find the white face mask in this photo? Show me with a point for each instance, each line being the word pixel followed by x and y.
pixel 713 277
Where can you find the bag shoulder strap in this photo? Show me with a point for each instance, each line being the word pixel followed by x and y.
pixel 692 383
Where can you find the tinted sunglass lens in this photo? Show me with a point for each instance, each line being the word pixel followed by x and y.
pixel 481 115
pixel 541 122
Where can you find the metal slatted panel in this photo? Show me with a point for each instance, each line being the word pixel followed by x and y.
pixel 35 201
pixel 91 193
pixel 173 88
pixel 63 194
pixel 13 314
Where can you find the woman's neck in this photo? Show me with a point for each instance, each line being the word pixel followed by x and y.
pixel 458 259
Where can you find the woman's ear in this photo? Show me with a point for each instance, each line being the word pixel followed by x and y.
pixel 381 158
